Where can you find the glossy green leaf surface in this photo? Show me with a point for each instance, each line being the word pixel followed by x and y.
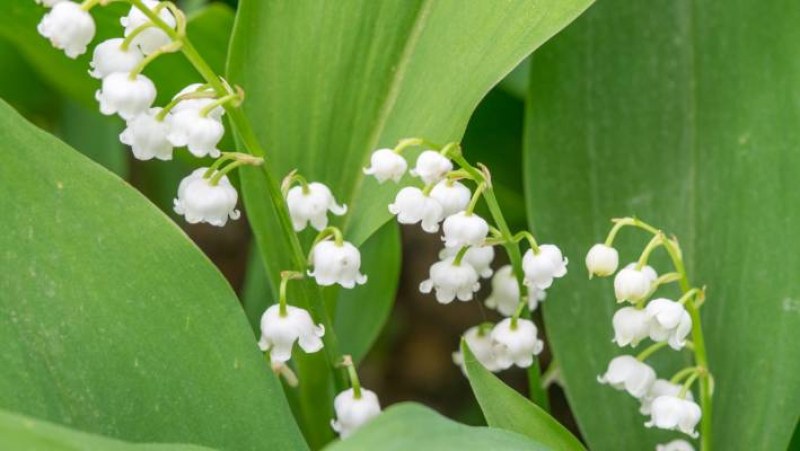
pixel 504 408
pixel 112 321
pixel 685 114
pixel 411 426
pixel 21 433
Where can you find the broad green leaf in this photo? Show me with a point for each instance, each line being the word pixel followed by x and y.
pixel 21 433
pixel 686 115
pixel 95 136
pixel 21 86
pixel 411 426
pixel 112 321
pixel 504 408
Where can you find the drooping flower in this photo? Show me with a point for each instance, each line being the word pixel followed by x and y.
pixel 464 229
pixel 152 38
pixel 311 204
pixel 505 293
pixel 660 387
pixel 109 57
pixel 432 166
pixel 386 164
pixel 336 263
pixel 669 322
pixel 540 269
pixel 482 346
pixel 197 103
pixel 279 333
pixel 675 445
pixel 452 195
pixel 68 27
pixel 451 281
pixel 516 345
pixel 626 373
pixel 200 134
pixel 675 414
pixel 352 412
pixel 631 325
pixel 480 258
pixel 200 201
pixel 633 284
pixel 602 260
pixel 126 96
pixel 411 206
pixel 147 136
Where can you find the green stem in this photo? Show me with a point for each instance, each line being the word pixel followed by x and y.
pixel 650 350
pixel 213 168
pixel 656 241
pixel 354 381
pixel 126 43
pixel 152 56
pixel 475 197
pixel 460 255
pixel 677 377
pixel 223 172
pixel 218 102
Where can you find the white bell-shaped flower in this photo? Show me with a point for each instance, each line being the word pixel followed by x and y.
pixel 386 164
pixel 669 322
pixel 279 333
pixel 125 96
pixel 432 166
pixel 48 3
pixel 198 103
pixel 516 345
pixel 200 134
pixel 661 387
pixel 147 136
pixel 200 201
pixel 451 281
pixel 675 445
pixel 152 38
pixel 352 412
pixel 482 346
pixel 109 57
pixel 627 373
pixel 411 206
pixel 540 269
pixel 505 293
pixel 452 195
pixel 631 325
pixel 311 204
pixel 480 258
pixel 464 229
pixel 68 27
pixel 602 260
pixel 336 263
pixel 632 284
pixel 675 414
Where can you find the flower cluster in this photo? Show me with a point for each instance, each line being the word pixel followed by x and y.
pixel 443 201
pixel 193 119
pixel 667 323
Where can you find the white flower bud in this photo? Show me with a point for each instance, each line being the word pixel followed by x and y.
pixel 669 322
pixel 147 136
pixel 464 229
pixel 278 333
pixel 482 346
pixel 200 201
pixel 336 263
pixel 386 164
pixel 411 206
pixel 431 166
pixel 452 195
pixel 505 293
pixel 540 269
pixel 310 204
pixel 661 387
pixel 152 38
pixel 48 3
pixel 518 345
pixel 632 284
pixel 480 258
pixel 68 27
pixel 200 134
pixel 602 260
pixel 631 325
pixel 451 281
pixel 352 412
pixel 125 96
pixel 675 445
pixel 197 104
pixel 627 373
pixel 675 414
pixel 109 57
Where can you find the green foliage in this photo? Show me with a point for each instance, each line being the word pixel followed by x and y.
pixel 114 322
pixel 685 114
